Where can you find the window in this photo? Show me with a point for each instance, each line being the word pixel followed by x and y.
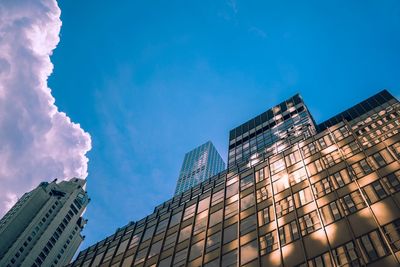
pixel 248 252
pixel 330 213
pixel 213 242
pixel 200 222
pixel 303 197
pixel 196 250
pixel 213 263
pixel 180 257
pixel 293 158
pixel 350 149
pixel 324 141
pixel 230 233
pixel 374 192
pixel 231 190
pixel 123 245
pixel 229 259
pixel 323 260
pixel 309 150
pixel 266 215
pixel 392 181
pixel 340 178
pixel 346 255
pixel 281 182
pixel 309 223
pixel 392 232
pixel 315 167
pixel 140 256
pixel 248 224
pixel 297 176
pixel 247 202
pixel 264 193
pixel 215 218
pixel 381 159
pixel 361 168
pixel 322 187
pixel 185 233
pixel 149 233
pixel 284 206
pixel 164 262
pixel 231 210
pixel 277 166
pixel 203 205
pixel 396 149
pixel 288 233
pixel 189 212
pixel 162 225
pixel 260 175
pixel 373 246
pixel 352 202
pixel 169 241
pixel 341 133
pixel 268 243
pixel 175 219
pixel 217 197
pixel 332 158
pixel 246 182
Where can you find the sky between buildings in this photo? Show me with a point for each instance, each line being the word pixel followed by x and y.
pixel 151 80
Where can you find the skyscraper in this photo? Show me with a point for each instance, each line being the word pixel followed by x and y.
pixel 43 227
pixel 270 130
pixel 328 195
pixel 198 165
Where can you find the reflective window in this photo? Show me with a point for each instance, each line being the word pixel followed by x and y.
pixel 288 233
pixel 266 215
pixel 248 252
pixel 247 202
pixel 309 223
pixel 213 242
pixel 230 233
pixel 268 243
pixel 248 224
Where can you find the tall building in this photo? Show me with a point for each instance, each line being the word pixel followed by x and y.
pixel 43 228
pixel 270 130
pixel 198 165
pixel 328 196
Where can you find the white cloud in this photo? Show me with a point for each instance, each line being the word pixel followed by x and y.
pixel 37 141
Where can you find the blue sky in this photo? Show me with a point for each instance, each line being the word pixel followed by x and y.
pixel 151 80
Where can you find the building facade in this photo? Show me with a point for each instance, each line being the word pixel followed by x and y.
pixel 43 228
pixel 269 130
pixel 328 197
pixel 198 165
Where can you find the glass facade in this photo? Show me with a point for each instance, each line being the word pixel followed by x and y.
pixel 328 198
pixel 198 165
pixel 269 131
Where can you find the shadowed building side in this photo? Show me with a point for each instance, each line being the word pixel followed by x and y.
pixel 43 228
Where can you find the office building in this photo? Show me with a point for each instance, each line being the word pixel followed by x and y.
pixel 328 196
pixel 43 228
pixel 270 130
pixel 198 165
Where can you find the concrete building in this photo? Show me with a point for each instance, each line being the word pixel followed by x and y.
pixel 327 195
pixel 43 228
pixel 198 165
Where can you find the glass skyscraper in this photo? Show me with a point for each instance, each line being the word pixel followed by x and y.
pixel 271 131
pixel 327 195
pixel 198 165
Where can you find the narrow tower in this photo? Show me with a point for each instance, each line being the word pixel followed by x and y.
pixel 198 165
